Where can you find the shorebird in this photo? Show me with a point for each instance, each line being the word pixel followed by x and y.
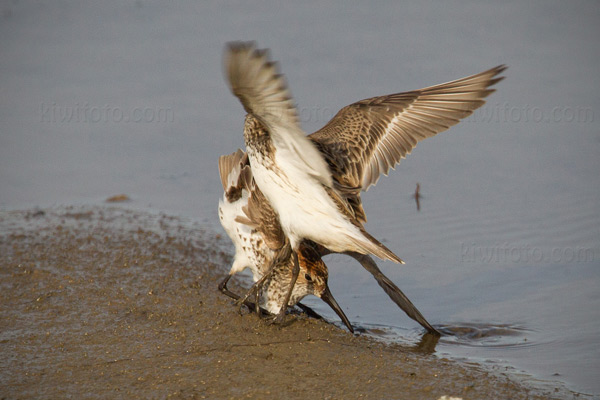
pixel 314 182
pixel 254 228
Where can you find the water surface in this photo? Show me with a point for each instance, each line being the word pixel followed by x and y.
pixel 104 98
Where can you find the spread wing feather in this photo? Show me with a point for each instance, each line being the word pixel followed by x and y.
pixel 230 168
pixel 263 92
pixel 367 138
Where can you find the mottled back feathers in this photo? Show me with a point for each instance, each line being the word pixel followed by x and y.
pixel 367 138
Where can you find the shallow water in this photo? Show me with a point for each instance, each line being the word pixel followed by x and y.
pixel 99 99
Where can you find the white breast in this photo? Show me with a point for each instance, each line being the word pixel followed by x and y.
pixel 304 207
pixel 250 250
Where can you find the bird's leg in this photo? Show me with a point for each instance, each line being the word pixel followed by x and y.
pixel 295 272
pixel 223 288
pixel 257 299
pixel 251 306
pixel 281 255
pixel 255 290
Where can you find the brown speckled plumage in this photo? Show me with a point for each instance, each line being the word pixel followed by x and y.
pixel 314 182
pixel 256 230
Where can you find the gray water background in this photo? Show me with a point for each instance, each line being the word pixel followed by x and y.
pixel 102 98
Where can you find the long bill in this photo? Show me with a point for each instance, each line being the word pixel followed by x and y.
pixel 327 297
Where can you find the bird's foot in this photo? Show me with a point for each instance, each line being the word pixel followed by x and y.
pixel 254 291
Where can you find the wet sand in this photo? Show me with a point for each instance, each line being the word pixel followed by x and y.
pixel 109 303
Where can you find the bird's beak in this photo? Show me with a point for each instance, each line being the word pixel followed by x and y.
pixel 327 297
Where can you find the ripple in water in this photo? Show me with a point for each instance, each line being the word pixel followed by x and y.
pixel 485 335
pixel 480 335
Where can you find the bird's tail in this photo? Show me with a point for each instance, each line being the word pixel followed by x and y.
pixel 370 245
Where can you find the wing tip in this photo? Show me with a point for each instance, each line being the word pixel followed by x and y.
pixel 257 81
pixel 497 71
pixel 500 68
pixel 240 46
pixel 231 163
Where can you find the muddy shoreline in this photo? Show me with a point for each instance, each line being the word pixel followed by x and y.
pixel 100 302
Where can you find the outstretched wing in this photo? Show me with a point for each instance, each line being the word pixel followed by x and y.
pixel 367 138
pixel 255 80
pixel 230 169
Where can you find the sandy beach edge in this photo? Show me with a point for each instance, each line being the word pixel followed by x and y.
pixel 104 302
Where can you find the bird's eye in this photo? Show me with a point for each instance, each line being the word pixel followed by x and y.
pixel 308 277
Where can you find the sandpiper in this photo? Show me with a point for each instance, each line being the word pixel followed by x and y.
pixel 254 228
pixel 314 182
